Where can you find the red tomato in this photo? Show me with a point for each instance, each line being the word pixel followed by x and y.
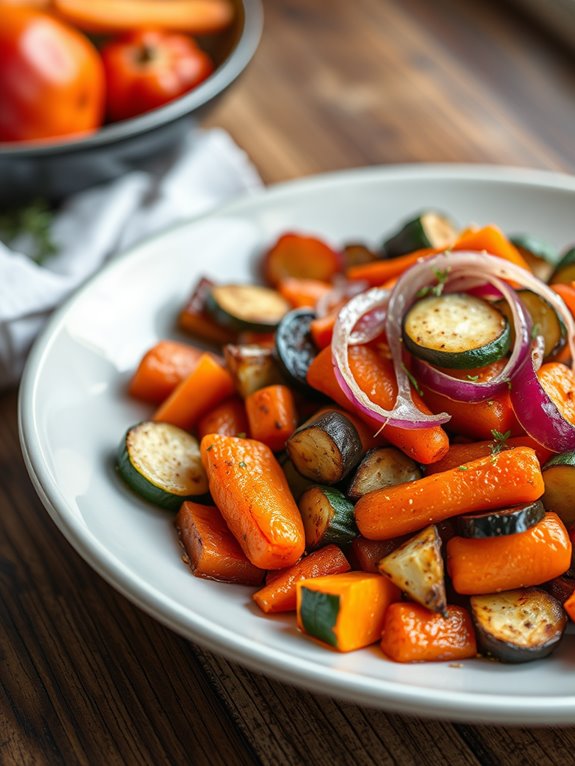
pixel 51 78
pixel 147 69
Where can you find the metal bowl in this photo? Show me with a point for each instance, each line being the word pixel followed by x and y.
pixel 54 170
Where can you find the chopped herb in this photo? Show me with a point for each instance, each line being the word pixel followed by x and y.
pixel 242 464
pixel 473 378
pixel 412 380
pixel 241 435
pixel 499 441
pixel 463 468
pixel 535 331
pixel 35 222
pixel 441 275
pixel 209 448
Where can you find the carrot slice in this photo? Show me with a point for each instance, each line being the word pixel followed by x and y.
pixel 321 329
pixel 302 293
pixel 296 255
pixel 493 241
pixel 161 369
pixel 494 564
pixel 198 17
pixel 569 606
pixel 279 594
pixel 207 385
pixel 411 633
pixel 210 548
pixel 510 478
pixel 252 493
pixel 346 610
pixel 378 272
pixel 459 454
pixel 228 418
pixel 271 415
pixel 376 377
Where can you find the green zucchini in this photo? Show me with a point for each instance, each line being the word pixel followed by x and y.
pixel 508 521
pixel 456 330
pixel 540 256
pixel 429 229
pixel 518 625
pixel 416 567
pixel 325 448
pixel 382 467
pixel 252 367
pixel 246 307
pixel 328 517
pixel 162 464
pixel 545 320
pixel 559 479
pixel 565 269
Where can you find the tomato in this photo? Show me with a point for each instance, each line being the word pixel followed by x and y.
pixel 51 78
pixel 147 69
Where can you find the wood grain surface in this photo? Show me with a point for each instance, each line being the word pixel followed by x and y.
pixel 85 677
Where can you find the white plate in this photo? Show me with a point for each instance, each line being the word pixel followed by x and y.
pixel 74 410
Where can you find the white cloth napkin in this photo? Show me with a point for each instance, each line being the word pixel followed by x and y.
pixel 96 224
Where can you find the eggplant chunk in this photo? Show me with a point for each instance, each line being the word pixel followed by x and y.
pixel 327 517
pixel 294 348
pixel 382 467
pixel 508 521
pixel 325 448
pixel 518 625
pixel 416 567
pixel 251 367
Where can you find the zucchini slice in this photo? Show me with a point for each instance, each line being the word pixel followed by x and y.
pixel 325 448
pixel 509 521
pixel 382 467
pixel 162 464
pixel 545 320
pixel 565 269
pixel 295 349
pixel 456 331
pixel 246 307
pixel 416 567
pixel 328 517
pixel 559 479
pixel 429 229
pixel 540 256
pixel 252 367
pixel 518 625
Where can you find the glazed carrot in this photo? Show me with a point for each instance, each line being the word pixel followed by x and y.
pixel 161 369
pixel 207 385
pixel 271 415
pixel 279 594
pixel 346 610
pixel 493 564
pixel 302 257
pixel 493 241
pixel 459 454
pixel 198 17
pixel 366 554
pixel 510 478
pixel 321 329
pixel 378 272
pixel 303 293
pixel 210 548
pixel 252 493
pixel 228 418
pixel 569 606
pixel 411 633
pixel 567 292
pixel 376 377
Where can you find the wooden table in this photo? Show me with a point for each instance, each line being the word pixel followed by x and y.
pixel 85 677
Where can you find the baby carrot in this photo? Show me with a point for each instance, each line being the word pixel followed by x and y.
pixel 509 478
pixel 228 418
pixel 493 564
pixel 252 494
pixel 161 369
pixel 207 385
pixel 376 377
pixel 271 415
pixel 411 633
pixel 279 593
pixel 210 548
pixel 459 454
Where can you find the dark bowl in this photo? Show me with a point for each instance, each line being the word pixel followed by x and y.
pixel 52 171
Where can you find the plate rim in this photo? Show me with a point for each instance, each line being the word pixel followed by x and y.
pixel 390 695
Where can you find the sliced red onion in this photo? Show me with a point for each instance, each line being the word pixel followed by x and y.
pixel 404 413
pixel 537 413
pixel 468 390
pixel 369 326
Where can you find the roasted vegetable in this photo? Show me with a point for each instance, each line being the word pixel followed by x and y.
pixel 162 464
pixel 295 349
pixel 382 467
pixel 559 478
pixel 272 415
pixel 507 521
pixel 246 307
pixel 545 321
pixel 251 367
pixel 325 448
pixel 540 256
pixel 518 625
pixel 565 270
pixel 416 567
pixel 327 517
pixel 429 229
pixel 195 319
pixel 304 257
